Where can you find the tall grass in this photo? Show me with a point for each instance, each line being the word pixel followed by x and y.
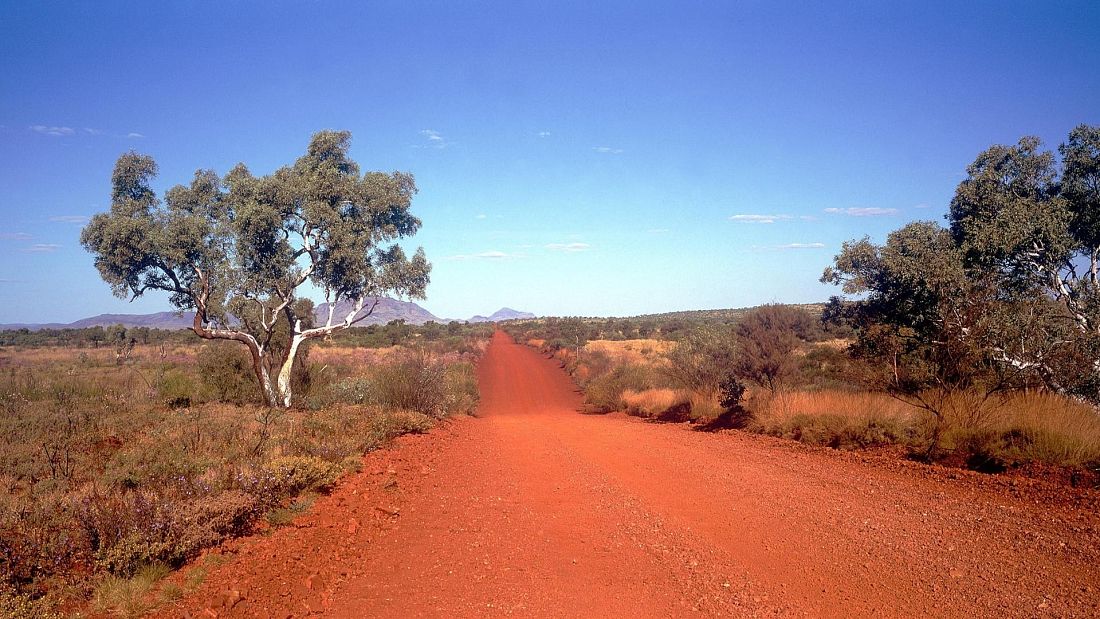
pixel 1017 429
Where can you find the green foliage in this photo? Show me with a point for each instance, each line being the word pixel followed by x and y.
pixel 296 474
pixel 842 431
pixel 416 383
pixel 766 339
pixel 604 392
pixel 226 373
pixel 241 246
pixel 702 360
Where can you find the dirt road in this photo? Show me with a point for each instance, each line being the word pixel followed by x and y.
pixel 535 509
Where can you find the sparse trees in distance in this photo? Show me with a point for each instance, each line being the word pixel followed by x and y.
pixel 239 249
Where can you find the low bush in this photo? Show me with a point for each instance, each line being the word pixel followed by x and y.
pixel 294 474
pixel 225 369
pixel 604 393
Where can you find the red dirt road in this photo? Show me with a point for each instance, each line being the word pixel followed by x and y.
pixel 535 509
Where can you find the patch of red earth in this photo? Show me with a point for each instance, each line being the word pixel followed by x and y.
pixel 534 509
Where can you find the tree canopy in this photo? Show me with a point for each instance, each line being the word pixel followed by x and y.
pixel 240 250
pixel 1008 289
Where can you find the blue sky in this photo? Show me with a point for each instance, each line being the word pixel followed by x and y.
pixel 572 159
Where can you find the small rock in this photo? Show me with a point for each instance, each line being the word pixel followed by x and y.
pixel 353 526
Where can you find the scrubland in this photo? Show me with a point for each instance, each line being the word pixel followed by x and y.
pixel 113 471
pixel 821 399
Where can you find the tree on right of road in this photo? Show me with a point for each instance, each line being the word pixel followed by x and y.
pixel 766 339
pixel 1008 294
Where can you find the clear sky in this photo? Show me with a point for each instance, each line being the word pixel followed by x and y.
pixel 588 158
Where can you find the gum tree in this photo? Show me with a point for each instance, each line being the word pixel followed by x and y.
pixel 1013 281
pixel 241 251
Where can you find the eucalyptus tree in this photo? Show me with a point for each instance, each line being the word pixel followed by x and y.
pixel 1015 278
pixel 244 251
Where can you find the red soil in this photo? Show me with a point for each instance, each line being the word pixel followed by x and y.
pixel 534 509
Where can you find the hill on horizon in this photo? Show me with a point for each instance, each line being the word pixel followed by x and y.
pixel 386 311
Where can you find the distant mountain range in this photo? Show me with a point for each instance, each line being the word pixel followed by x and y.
pixel 504 313
pixel 386 311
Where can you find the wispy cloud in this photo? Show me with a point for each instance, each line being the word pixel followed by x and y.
pixel 759 219
pixel 608 150
pixel 14 236
pixel 486 255
pixel 479 216
pixel 86 131
pixel 70 219
pixel 12 281
pixel 544 134
pixel 42 248
pixel 788 247
pixel 435 139
pixel 860 211
pixel 801 246
pixel 55 131
pixel 768 219
pixel 658 230
pixel 568 247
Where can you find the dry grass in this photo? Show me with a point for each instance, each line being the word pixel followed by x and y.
pixel 1019 428
pixel 631 351
pixel 651 402
pixel 851 405
pixel 352 356
pixel 106 468
pixel 128 597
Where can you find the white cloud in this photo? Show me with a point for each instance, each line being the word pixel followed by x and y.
pixel 485 255
pixel 56 131
pixel 479 216
pixel 801 246
pixel 787 247
pixel 14 236
pixel 568 247
pixel 435 139
pixel 70 219
pixel 759 219
pixel 133 134
pixel 90 131
pixel 608 150
pixel 42 248
pixel 857 211
pixel 544 134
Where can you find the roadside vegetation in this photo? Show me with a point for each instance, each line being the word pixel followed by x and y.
pixel 975 344
pixel 116 468
pixel 785 372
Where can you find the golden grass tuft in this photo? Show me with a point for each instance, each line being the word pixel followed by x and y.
pixel 128 597
pixel 650 402
pixel 1017 428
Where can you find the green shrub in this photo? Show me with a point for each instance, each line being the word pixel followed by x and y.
pixel 462 388
pixel 15 605
pixel 126 531
pixel 417 383
pixel 225 369
pixel 604 393
pixel 295 474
